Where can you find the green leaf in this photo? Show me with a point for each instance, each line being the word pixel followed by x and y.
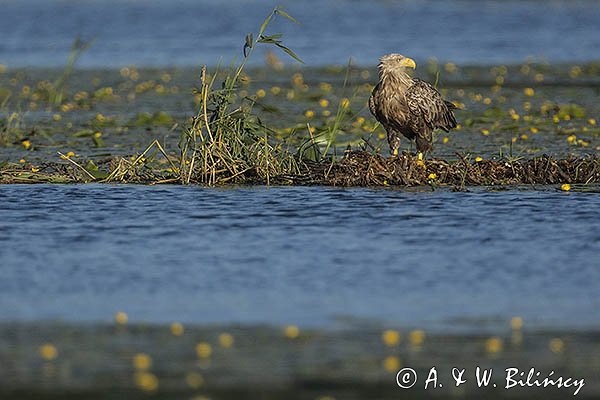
pixel 269 39
pixel 289 52
pixel 264 24
pixel 84 133
pixel 288 16
pixel 99 174
pixel 276 36
pixel 90 166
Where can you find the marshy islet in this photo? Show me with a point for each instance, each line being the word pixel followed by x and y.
pixel 533 123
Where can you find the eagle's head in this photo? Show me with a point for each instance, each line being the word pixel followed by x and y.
pixel 394 64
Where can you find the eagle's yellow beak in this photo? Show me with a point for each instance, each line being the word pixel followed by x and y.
pixel 408 62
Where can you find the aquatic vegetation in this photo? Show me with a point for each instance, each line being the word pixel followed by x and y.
pixel 226 141
pixel 290 125
pixel 54 92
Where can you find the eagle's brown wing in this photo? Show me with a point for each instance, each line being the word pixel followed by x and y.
pixel 428 111
pixel 387 107
pixel 426 103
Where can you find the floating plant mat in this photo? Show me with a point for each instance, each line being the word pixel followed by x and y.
pixel 356 168
pixel 277 125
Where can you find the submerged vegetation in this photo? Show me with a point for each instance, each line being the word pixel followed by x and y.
pixel 528 124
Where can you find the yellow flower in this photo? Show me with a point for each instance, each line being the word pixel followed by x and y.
pixel 515 116
pixel 33 169
pixel 485 132
pixel 556 345
pixel 177 329
pixel 493 345
pixel 165 77
pixel 524 137
pixel 226 340
pixel 391 364
pixel 565 187
pixel 445 139
pixel 421 164
pixel 555 119
pixel 324 86
pixel 514 139
pixel 48 352
pixel 22 161
pixel 309 114
pixel 298 79
pixel 326 113
pixel 291 331
pixel 571 138
pixel 487 101
pixel 26 143
pixel 194 380
pixel 203 350
pixel 97 134
pixel 324 103
pixel 516 323
pixel 391 337
pixel 533 129
pixel 539 77
pixel 582 142
pixel 450 67
pixel 275 90
pixel 478 159
pixel 142 361
pixel 592 121
pixel 529 92
pixel 416 337
pixel 146 381
pixel 345 103
pixel 432 177
pixel 260 93
pixel 121 318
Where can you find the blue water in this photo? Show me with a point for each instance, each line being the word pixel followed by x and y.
pixel 439 260
pixel 194 32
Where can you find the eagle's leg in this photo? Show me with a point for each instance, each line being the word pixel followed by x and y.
pixel 394 142
pixel 424 140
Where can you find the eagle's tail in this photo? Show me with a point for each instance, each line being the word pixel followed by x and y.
pixel 450 118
